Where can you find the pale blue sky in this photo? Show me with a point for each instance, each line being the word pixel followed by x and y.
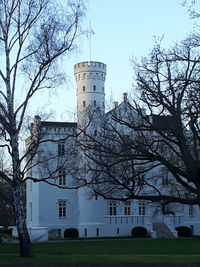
pixel 123 28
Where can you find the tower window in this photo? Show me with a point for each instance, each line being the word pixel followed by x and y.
pixel 102 89
pixel 84 103
pixel 83 88
pixel 103 104
pixel 94 88
pixel 95 103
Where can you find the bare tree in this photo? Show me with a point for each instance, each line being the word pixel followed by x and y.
pixel 6 205
pixel 34 37
pixel 148 148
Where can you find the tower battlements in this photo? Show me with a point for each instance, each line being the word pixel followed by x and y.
pixel 89 66
pixel 90 78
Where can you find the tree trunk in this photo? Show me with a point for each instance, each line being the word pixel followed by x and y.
pixel 19 198
pixel 20 218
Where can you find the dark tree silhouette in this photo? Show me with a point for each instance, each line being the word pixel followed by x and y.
pixel 148 148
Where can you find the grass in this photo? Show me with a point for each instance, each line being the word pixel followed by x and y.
pixel 147 251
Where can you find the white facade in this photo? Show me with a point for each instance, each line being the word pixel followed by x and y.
pixel 58 209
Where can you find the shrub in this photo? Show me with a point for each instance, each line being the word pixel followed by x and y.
pixel 6 231
pixel 139 232
pixel 71 233
pixel 184 231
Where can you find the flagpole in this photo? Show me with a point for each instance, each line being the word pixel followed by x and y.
pixel 90 40
pixel 90 33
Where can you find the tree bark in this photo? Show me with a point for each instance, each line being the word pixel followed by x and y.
pixel 20 218
pixel 19 200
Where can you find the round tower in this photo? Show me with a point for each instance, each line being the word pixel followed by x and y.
pixel 90 79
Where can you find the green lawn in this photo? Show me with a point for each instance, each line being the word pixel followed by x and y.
pixel 159 250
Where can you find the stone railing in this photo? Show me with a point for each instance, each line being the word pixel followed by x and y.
pixel 127 219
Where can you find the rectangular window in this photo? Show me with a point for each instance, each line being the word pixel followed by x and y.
pixel 62 208
pixel 139 172
pixel 61 149
pixel 85 232
pixel 83 88
pixel 95 102
pixel 62 176
pixel 127 208
pixel 94 88
pixel 97 231
pixel 164 176
pixel 31 185
pixel 141 208
pixel 31 211
pixel 191 210
pixel 84 103
pixel 95 132
pixel 112 208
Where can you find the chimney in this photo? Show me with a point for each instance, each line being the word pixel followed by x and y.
pixel 114 104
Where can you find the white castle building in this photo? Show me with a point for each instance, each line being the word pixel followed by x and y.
pixel 51 209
